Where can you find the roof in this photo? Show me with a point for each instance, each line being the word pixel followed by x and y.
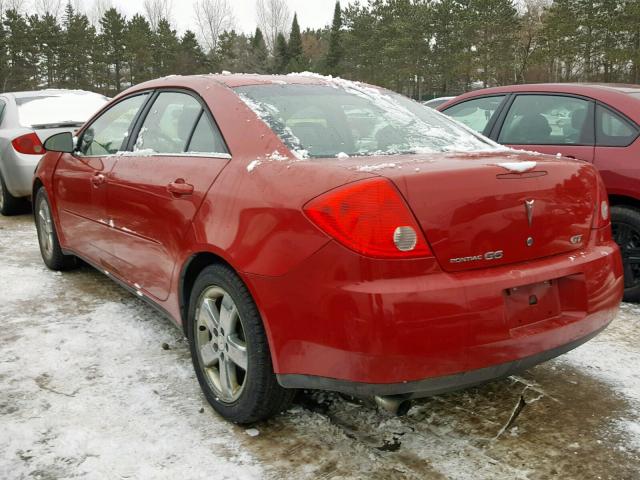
pixel 44 93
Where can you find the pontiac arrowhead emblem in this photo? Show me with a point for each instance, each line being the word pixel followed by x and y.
pixel 529 204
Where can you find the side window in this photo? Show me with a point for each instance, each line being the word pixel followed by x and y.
pixel 548 120
pixel 2 105
pixel 206 137
pixel 612 130
pixel 169 123
pixel 476 114
pixel 107 134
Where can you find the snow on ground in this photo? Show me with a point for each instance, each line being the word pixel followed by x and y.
pixel 94 384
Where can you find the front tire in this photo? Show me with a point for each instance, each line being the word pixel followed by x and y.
pixel 229 349
pixel 625 224
pixel 50 249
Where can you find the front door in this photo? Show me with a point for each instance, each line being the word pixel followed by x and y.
pixel 156 189
pixel 80 180
pixel 551 124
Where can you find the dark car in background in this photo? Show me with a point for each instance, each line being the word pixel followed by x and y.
pixel 597 123
pixel 26 120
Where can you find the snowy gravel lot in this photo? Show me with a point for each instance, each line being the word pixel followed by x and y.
pixel 94 384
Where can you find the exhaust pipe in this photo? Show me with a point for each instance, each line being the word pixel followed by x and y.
pixel 395 405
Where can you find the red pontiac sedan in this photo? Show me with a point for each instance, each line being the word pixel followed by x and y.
pixel 599 124
pixel 308 232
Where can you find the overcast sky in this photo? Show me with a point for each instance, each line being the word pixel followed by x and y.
pixel 311 13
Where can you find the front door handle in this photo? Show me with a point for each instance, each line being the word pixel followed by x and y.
pixel 98 179
pixel 180 188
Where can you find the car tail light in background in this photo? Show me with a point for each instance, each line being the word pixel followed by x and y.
pixel 371 218
pixel 28 144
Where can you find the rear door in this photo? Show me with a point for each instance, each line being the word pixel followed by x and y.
pixel 155 190
pixel 80 180
pixel 548 123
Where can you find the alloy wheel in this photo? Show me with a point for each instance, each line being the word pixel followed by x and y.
pixel 45 228
pixel 221 344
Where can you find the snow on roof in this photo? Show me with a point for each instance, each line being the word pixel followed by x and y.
pixel 57 106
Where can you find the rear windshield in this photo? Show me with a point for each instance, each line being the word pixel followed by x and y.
pixel 349 118
pixel 64 109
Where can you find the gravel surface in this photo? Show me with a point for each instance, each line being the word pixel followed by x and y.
pixel 94 384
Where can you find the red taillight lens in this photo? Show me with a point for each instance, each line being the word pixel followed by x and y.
pixel 28 144
pixel 371 218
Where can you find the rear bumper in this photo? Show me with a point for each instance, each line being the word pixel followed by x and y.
pixel 348 323
pixel 18 170
pixel 431 386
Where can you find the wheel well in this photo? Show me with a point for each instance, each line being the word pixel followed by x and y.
pixel 190 272
pixel 622 201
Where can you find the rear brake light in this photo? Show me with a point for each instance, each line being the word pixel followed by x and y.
pixel 371 218
pixel 28 144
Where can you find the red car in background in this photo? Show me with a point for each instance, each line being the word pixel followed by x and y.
pixel 599 124
pixel 308 232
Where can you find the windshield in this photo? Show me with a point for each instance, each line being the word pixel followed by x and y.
pixel 349 118
pixel 64 109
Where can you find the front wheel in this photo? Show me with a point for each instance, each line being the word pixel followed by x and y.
pixel 48 237
pixel 625 224
pixel 229 349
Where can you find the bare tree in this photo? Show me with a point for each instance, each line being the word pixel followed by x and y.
pixel 213 18
pixel 529 35
pixel 17 5
pixel 156 10
pixel 273 17
pixel 48 7
pixel 97 11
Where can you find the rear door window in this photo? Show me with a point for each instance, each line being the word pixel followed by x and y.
pixel 169 124
pixel 477 113
pixel 109 132
pixel 206 137
pixel 548 120
pixel 613 130
pixel 2 107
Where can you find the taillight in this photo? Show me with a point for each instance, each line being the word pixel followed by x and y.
pixel 28 144
pixel 371 218
pixel 602 216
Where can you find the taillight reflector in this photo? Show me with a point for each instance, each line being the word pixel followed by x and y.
pixel 28 144
pixel 371 218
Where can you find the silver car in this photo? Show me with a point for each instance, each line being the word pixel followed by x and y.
pixel 27 119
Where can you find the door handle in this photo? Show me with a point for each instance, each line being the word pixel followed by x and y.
pixel 179 187
pixel 98 179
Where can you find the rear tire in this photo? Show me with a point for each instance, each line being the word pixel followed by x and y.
pixel 220 301
pixel 625 223
pixel 48 237
pixel 9 205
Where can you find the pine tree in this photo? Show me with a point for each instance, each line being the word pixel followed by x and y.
pixel 259 56
pixel 139 43
pixel 281 55
pixel 114 28
pixel 22 66
pixel 336 49
pixel 76 64
pixel 165 49
pixel 297 60
pixel 191 58
pixel 47 36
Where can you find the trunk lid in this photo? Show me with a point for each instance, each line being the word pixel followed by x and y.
pixel 482 210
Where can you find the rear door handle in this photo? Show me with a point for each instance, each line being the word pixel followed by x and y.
pixel 98 179
pixel 180 187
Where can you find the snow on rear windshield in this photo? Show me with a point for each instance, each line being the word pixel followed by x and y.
pixel 349 118
pixel 55 109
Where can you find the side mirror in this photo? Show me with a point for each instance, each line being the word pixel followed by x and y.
pixel 60 142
